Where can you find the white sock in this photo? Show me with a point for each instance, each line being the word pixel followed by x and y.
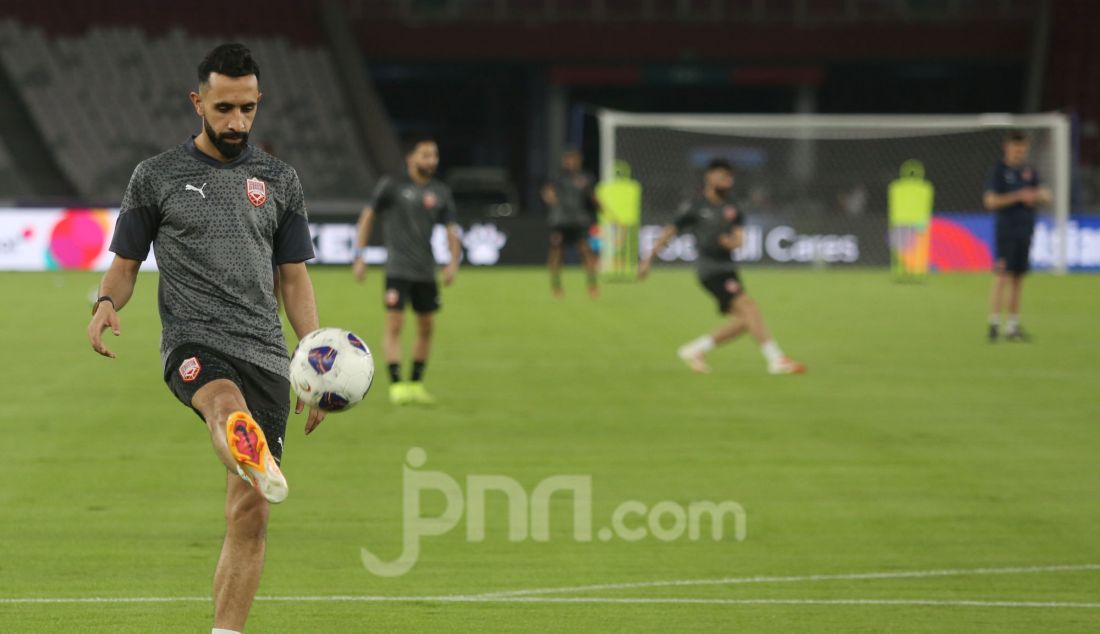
pixel 218 630
pixel 702 345
pixel 994 320
pixel 1013 322
pixel 771 351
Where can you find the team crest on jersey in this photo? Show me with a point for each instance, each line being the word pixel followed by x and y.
pixel 1026 174
pixel 580 181
pixel 732 286
pixel 729 212
pixel 430 200
pixel 189 369
pixel 256 190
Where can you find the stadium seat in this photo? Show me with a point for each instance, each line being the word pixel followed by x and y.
pixel 133 88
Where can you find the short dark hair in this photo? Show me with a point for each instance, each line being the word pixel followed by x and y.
pixel 231 60
pixel 719 164
pixel 410 141
pixel 1016 136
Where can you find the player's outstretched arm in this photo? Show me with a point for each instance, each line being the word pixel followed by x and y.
pixel 455 245
pixel 117 284
pixel 363 229
pixel 301 311
pixel 662 241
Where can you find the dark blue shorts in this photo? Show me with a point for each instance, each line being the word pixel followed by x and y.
pixel 1013 249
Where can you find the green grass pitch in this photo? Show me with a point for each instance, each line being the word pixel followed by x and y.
pixel 911 446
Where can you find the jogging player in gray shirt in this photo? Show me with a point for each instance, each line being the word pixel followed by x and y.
pixel 219 213
pixel 572 207
pixel 410 207
pixel 719 228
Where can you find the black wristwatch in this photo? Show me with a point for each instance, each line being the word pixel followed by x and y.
pixel 102 298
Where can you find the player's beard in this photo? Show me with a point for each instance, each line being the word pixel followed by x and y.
pixel 425 172
pixel 228 150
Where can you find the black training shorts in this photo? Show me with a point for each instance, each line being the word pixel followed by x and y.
pixel 424 296
pixel 725 287
pixel 191 366
pixel 567 234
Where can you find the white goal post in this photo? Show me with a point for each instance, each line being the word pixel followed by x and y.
pixel 801 161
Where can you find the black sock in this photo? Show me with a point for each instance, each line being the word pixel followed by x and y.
pixel 395 372
pixel 418 370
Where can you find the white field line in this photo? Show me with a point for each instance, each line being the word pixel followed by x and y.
pixel 532 595
pixel 564 600
pixel 856 576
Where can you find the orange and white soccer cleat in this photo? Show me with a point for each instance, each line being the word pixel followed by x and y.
pixel 786 366
pixel 254 460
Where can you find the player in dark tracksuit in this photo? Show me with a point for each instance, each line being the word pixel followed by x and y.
pixel 410 207
pixel 223 218
pixel 572 205
pixel 718 226
pixel 1012 192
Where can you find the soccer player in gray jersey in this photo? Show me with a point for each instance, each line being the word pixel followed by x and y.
pixel 572 205
pixel 410 207
pixel 219 213
pixel 719 229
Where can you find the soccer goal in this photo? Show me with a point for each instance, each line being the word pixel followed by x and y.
pixel 817 188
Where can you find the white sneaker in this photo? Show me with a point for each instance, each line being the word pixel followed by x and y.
pixel 694 360
pixel 786 366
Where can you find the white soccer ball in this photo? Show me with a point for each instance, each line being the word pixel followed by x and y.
pixel 331 369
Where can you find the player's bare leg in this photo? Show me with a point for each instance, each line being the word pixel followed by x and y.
pixel 746 309
pixel 216 401
pixel 242 558
pixel 391 344
pixel 1013 330
pixel 391 340
pixel 238 440
pixel 693 353
pixel 729 331
pixel 424 328
pixel 591 267
pixel 425 325
pixel 554 263
pixel 238 572
pixel 996 299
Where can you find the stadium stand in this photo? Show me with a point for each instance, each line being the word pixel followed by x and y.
pixel 132 88
pixel 10 180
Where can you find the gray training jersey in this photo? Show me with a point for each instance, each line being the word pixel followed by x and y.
pixel 707 221
pixel 409 213
pixel 576 201
pixel 218 230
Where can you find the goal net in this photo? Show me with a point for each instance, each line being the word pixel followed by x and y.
pixel 816 188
